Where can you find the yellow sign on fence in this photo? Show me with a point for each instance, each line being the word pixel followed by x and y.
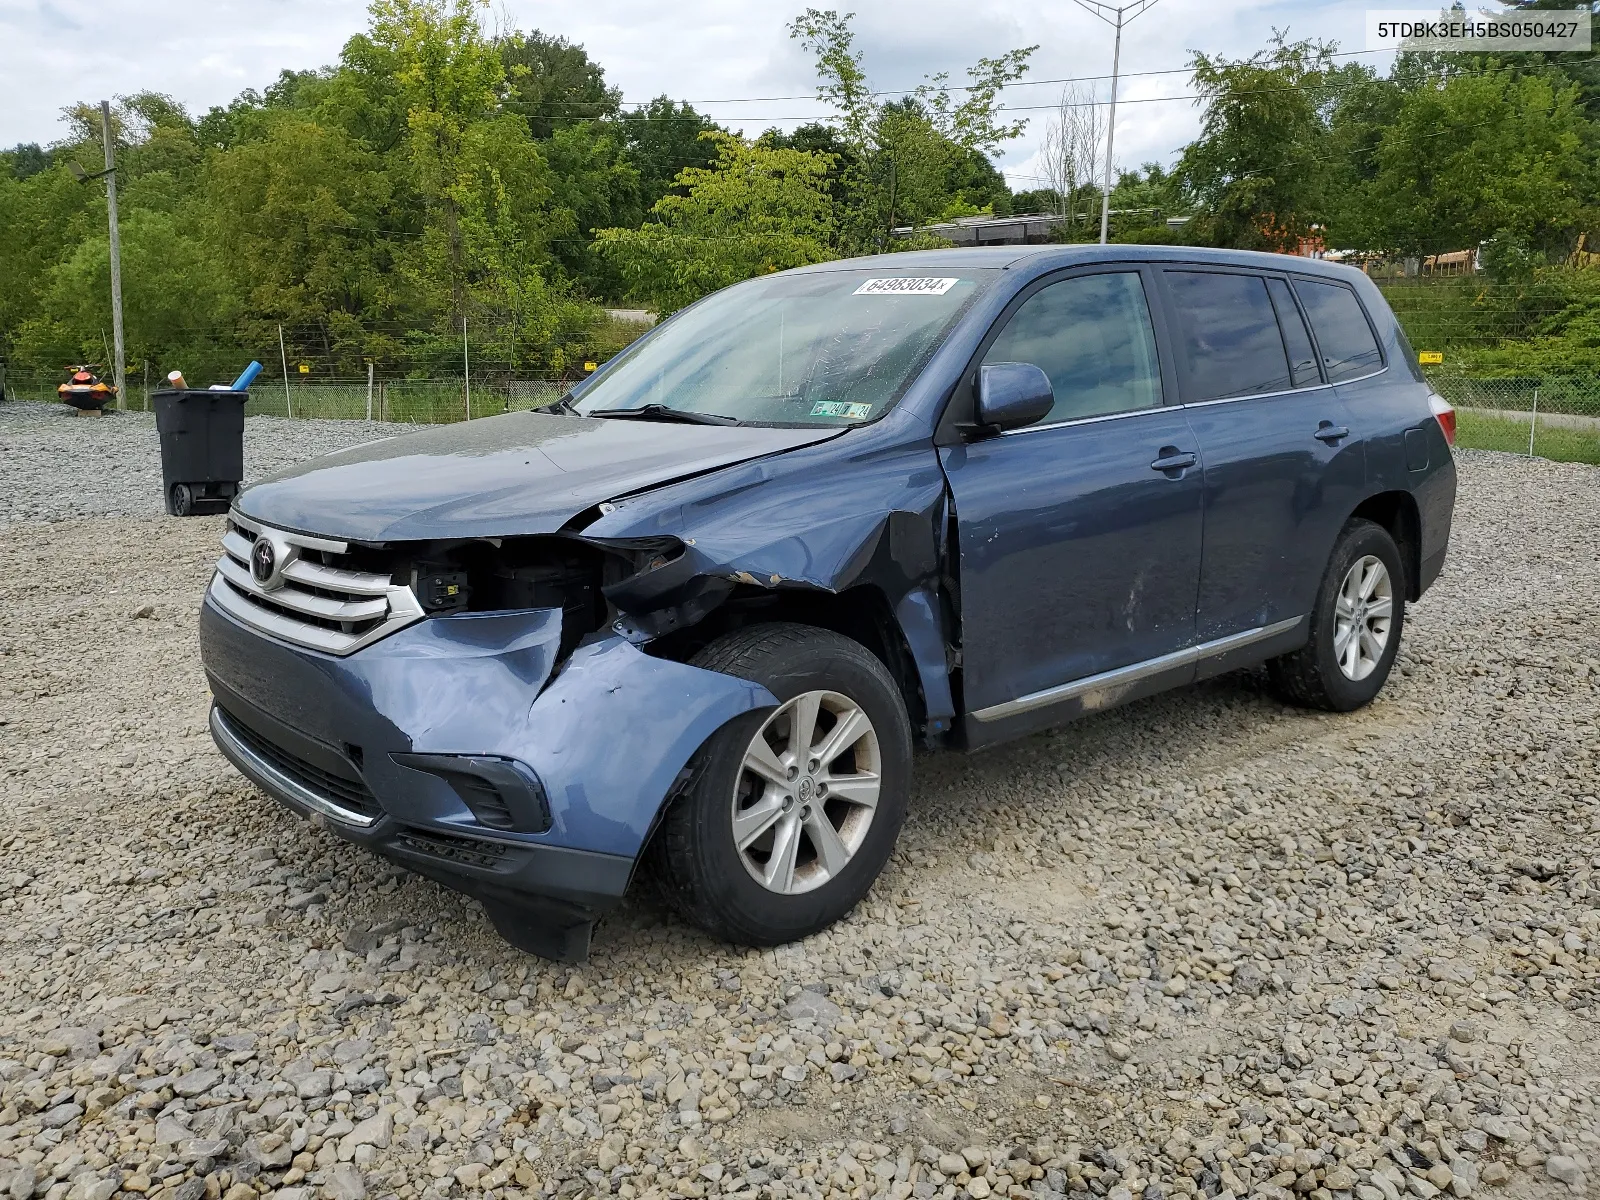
pixel 1430 357
pixel 305 368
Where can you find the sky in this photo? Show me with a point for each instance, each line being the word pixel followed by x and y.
pixel 709 52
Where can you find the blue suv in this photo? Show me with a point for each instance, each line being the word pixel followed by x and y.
pixel 695 616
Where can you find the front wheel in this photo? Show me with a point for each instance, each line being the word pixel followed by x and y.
pixel 790 813
pixel 1356 624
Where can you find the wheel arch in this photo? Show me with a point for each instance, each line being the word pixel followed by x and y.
pixel 1397 512
pixel 862 613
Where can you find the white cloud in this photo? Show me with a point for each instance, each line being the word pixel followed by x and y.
pixel 205 53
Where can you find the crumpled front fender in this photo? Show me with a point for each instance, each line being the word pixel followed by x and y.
pixel 612 732
pixel 607 732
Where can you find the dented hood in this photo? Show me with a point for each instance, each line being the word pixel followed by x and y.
pixel 521 473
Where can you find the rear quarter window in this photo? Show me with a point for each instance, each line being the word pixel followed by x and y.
pixel 1344 335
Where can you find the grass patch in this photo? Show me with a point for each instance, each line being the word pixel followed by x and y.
pixel 1476 431
pixel 422 402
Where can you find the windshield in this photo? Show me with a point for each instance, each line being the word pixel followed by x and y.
pixel 823 348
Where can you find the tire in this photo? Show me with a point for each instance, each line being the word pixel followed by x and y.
pixel 1321 673
pixel 182 500
pixel 719 886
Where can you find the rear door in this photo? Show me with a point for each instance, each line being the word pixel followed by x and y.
pixel 1080 535
pixel 1284 465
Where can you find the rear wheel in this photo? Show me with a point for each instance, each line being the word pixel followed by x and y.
pixel 790 813
pixel 1355 625
pixel 182 500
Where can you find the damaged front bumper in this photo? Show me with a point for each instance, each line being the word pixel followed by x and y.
pixel 460 749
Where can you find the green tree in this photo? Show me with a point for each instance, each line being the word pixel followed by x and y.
pixel 1258 170
pixel 1495 157
pixel 915 159
pixel 305 213
pixel 42 219
pixel 175 299
pixel 662 139
pixel 553 83
pixel 450 77
pixel 24 159
pixel 755 210
pixel 595 186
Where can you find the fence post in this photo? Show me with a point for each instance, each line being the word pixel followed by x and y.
pixel 466 367
pixel 1533 425
pixel 283 354
pixel 369 389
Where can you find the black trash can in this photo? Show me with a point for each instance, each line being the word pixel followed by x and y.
pixel 202 448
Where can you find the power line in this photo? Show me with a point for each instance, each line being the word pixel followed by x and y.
pixel 953 87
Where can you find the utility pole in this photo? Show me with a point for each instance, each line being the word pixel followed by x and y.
pixel 1117 18
pixel 116 250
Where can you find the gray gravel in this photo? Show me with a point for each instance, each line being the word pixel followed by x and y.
pixel 57 465
pixel 1203 945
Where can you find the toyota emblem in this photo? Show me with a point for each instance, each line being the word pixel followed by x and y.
pixel 263 561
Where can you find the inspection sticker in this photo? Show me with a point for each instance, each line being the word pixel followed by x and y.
pixel 838 408
pixel 905 287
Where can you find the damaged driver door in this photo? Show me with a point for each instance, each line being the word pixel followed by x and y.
pixel 1080 534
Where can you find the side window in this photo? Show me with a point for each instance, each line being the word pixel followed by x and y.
pixel 1092 336
pixel 1343 333
pixel 1302 358
pixel 1230 334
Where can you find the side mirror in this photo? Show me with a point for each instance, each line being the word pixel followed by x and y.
pixel 1011 395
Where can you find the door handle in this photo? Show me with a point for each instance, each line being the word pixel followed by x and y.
pixel 1173 459
pixel 1330 433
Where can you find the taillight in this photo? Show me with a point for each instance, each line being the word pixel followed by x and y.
pixel 1445 415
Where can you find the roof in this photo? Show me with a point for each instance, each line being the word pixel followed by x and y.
pixel 1050 256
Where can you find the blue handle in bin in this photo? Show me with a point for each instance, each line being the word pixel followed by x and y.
pixel 246 377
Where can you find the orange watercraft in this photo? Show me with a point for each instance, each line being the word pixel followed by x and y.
pixel 85 389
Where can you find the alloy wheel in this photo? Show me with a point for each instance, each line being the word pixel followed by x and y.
pixel 806 792
pixel 1362 615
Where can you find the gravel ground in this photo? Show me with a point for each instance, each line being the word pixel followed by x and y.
pixel 56 465
pixel 1205 944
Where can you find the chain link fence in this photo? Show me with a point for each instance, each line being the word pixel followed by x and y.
pixel 1552 416
pixel 412 401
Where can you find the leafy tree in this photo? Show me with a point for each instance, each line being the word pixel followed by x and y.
pixel 1365 107
pixel 663 138
pixel 248 116
pixel 42 219
pixel 305 213
pixel 756 210
pixel 552 83
pixel 1257 170
pixel 916 159
pixel 449 76
pixel 816 138
pixel 595 186
pixel 24 159
pixel 1473 158
pixel 174 299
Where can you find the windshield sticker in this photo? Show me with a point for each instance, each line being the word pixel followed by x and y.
pixel 905 287
pixel 838 408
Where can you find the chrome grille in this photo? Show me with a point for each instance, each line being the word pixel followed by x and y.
pixel 306 597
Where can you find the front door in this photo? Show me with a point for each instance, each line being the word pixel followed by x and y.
pixel 1080 535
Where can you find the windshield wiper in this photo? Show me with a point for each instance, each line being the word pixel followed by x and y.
pixel 563 405
pixel 660 412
